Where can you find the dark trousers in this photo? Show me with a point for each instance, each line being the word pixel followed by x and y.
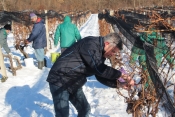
pixel 61 102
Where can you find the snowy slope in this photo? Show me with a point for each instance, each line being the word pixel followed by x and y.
pixel 28 95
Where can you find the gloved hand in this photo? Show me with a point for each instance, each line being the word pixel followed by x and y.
pixel 123 72
pixel 125 81
pixel 129 82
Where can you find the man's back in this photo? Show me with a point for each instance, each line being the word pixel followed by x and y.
pixel 67 32
pixel 3 40
pixel 3 36
pixel 82 59
pixel 38 35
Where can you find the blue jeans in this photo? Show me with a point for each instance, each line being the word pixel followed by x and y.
pixel 61 102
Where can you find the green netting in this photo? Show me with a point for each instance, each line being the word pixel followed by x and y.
pixel 132 39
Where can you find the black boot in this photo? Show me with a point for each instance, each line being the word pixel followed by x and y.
pixel 40 64
pixel 45 63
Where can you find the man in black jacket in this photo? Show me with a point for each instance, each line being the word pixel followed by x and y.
pixel 83 59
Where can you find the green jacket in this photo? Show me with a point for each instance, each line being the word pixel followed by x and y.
pixel 153 38
pixel 3 40
pixel 67 33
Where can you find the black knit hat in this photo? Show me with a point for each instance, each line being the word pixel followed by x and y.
pixel 7 27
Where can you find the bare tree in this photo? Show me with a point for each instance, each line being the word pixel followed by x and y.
pixel 3 5
pixel 76 5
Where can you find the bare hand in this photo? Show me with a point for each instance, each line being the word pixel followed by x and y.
pixel 26 41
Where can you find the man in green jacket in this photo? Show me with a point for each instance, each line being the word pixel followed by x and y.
pixel 3 37
pixel 160 48
pixel 67 33
pixel 3 43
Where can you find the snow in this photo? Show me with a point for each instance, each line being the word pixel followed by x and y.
pixel 27 94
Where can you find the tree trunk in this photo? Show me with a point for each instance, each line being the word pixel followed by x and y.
pixel 47 32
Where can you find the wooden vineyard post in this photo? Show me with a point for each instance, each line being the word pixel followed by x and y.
pixel 2 66
pixel 47 32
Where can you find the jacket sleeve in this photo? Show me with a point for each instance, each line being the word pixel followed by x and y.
pixel 35 32
pixel 57 35
pixel 93 58
pixel 6 48
pixel 77 33
pixel 110 83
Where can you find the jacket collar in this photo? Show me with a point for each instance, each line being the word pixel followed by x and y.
pixel 38 20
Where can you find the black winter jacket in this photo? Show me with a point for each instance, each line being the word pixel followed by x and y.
pixel 82 59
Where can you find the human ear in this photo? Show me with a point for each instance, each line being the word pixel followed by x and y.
pixel 106 43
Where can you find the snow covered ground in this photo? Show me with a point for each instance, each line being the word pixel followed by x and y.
pixel 27 94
